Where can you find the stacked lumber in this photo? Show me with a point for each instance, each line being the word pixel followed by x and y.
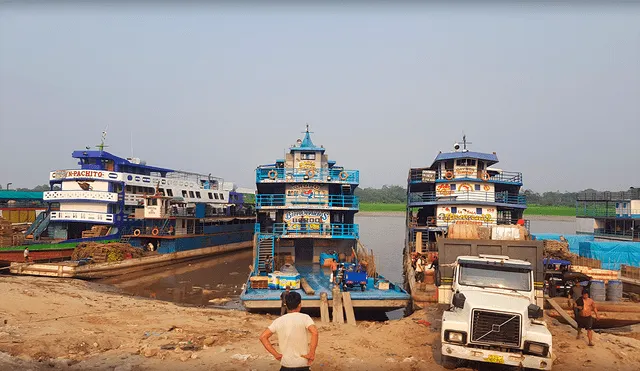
pixel 585 262
pixel 597 274
pixel 557 250
pixel 105 252
pixel 96 231
pixel 464 232
pixel 6 233
pixel 630 271
pixel 484 233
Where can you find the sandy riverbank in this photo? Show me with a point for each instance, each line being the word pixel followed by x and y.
pixel 60 324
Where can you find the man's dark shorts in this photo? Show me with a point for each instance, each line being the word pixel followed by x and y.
pixel 585 323
pixel 419 276
pixel 282 368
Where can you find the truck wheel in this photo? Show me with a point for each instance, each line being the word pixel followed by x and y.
pixel 450 363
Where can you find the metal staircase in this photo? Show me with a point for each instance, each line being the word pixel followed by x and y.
pixel 40 226
pixel 36 223
pixel 266 248
pixel 346 189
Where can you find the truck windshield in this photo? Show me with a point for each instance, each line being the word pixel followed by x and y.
pixel 495 276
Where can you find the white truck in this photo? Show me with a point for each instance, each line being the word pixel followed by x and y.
pixel 493 316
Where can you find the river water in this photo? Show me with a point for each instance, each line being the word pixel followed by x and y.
pixel 207 281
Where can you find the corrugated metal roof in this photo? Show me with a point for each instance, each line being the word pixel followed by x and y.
pixel 490 157
pixel 20 195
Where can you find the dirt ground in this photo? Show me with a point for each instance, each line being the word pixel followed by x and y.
pixel 58 324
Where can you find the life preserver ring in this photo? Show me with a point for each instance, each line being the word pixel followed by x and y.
pixel 343 175
pixel 155 231
pixel 272 174
pixel 136 232
pixel 485 176
pixel 311 173
pixel 448 175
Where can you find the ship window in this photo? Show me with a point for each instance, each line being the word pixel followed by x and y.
pixel 198 194
pixel 453 187
pixel 466 162
pixel 477 187
pixel 617 205
pixel 128 189
pixel 169 192
pixel 191 194
pixel 479 211
pixel 222 196
pixel 210 196
pixel 161 190
pixel 184 193
pixel 454 210
pixel 216 195
pixel 182 223
pixel 308 156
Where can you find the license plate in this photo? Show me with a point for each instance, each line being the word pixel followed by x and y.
pixel 495 359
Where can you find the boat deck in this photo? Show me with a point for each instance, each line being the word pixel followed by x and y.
pixel 318 278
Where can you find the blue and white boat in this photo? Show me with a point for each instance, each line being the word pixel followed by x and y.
pixel 104 199
pixel 306 214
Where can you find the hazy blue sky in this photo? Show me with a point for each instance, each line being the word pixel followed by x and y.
pixel 555 91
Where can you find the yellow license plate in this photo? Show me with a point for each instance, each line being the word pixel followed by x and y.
pixel 495 359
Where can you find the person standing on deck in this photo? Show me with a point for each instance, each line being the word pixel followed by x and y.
pixel 419 269
pixel 283 300
pixel 334 271
pixel 295 352
pixel 26 254
pixel 587 308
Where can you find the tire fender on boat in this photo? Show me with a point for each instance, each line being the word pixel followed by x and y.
pixel 155 231
pixel 448 175
pixel 343 175
pixel 311 173
pixel 136 232
pixel 272 174
pixel 485 176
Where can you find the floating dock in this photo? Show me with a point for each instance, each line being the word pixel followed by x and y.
pixel 73 269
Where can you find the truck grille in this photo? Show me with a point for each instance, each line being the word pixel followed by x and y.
pixel 494 328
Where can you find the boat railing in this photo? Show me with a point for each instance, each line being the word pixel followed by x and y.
pixel 299 175
pixel 622 234
pixel 435 222
pixel 633 194
pixel 609 212
pixel 473 196
pixel 277 200
pixel 335 230
pixel 417 176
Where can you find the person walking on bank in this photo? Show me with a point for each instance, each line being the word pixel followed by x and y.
pixel 26 254
pixel 576 293
pixel 283 300
pixel 295 352
pixel 420 269
pixel 587 308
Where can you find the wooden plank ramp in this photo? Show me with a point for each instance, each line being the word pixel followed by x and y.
pixel 562 313
pixel 306 287
pixel 338 316
pixel 348 308
pixel 324 308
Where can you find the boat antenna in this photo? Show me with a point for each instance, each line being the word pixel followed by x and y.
pixel 131 135
pixel 103 139
pixel 464 143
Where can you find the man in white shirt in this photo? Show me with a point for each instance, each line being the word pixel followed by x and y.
pixel 420 269
pixel 295 352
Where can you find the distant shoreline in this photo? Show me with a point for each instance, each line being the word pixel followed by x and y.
pixel 552 218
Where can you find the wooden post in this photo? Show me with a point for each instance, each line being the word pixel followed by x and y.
pixel 562 313
pixel 348 308
pixel 324 308
pixel 306 287
pixel 338 316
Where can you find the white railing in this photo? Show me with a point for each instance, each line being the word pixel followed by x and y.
pixel 82 216
pixel 80 195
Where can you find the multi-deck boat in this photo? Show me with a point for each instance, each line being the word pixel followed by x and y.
pixel 306 214
pixel 99 202
pixel 459 188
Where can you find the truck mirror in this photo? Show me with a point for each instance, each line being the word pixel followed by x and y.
pixel 534 311
pixel 458 300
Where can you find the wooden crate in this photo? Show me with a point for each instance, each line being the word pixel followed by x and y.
pixel 259 282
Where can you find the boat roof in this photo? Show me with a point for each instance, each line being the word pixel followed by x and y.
pixel 118 160
pixel 307 144
pixel 19 195
pixel 490 158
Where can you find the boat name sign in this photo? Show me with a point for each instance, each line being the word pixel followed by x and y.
pixel 309 215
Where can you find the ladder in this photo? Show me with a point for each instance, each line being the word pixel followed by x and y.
pixel 42 226
pixel 266 248
pixel 346 189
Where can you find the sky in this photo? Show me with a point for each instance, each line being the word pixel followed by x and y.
pixel 553 90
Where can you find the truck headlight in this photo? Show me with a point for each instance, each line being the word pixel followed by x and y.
pixel 538 349
pixel 455 336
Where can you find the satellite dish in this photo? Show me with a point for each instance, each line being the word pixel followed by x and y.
pixel 456 146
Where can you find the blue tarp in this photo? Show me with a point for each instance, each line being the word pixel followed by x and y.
pixel 612 254
pixel 573 239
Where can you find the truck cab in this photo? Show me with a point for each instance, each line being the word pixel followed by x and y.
pixel 493 317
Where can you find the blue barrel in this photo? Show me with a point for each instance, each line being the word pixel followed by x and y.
pixel 614 290
pixel 596 291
